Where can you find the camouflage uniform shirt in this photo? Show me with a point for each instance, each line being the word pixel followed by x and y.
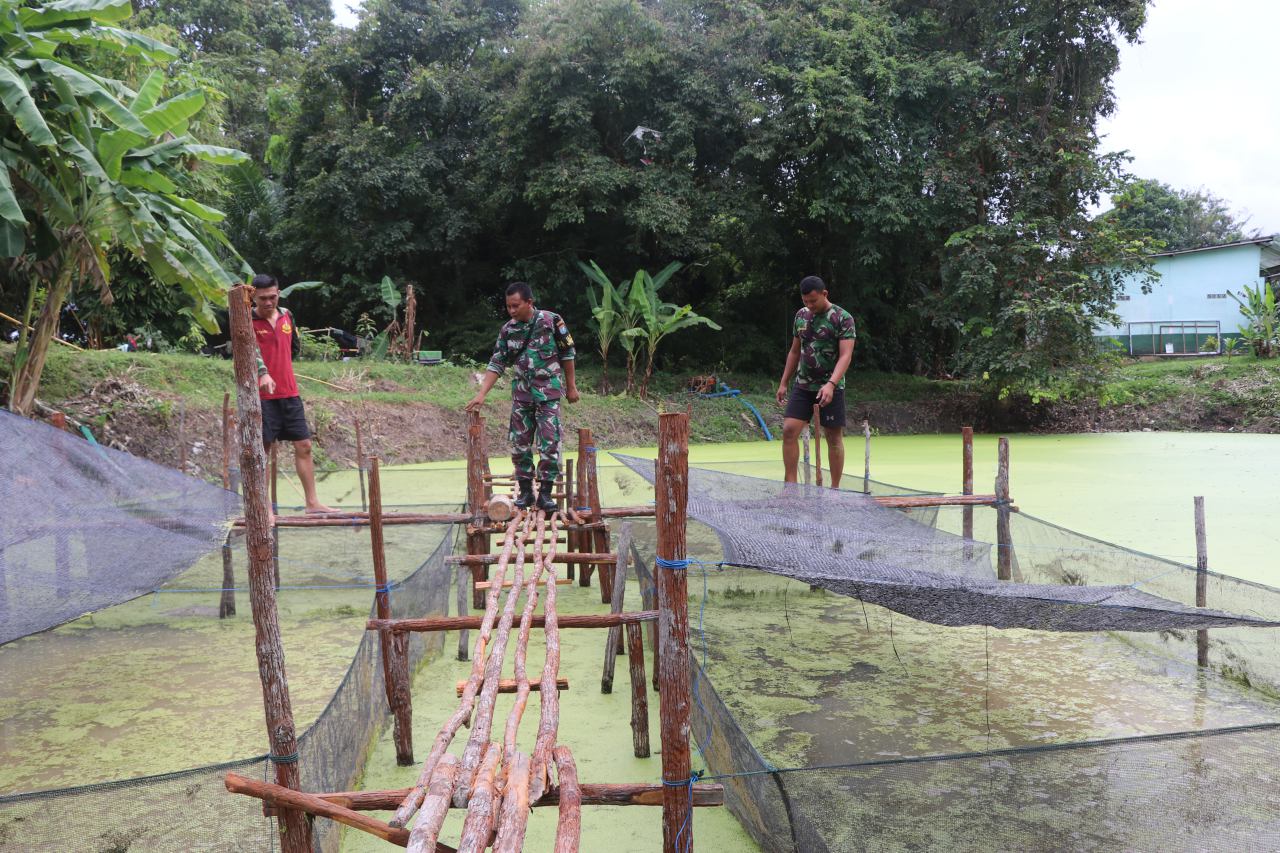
pixel 820 336
pixel 535 349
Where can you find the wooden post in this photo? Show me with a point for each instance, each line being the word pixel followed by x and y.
pixel 464 581
pixel 227 604
pixel 584 499
pixel 966 481
pixel 866 457
pixel 619 592
pixel 804 467
pixel 275 477
pixel 599 537
pixel 182 437
pixel 395 650
pixel 364 502
pixel 296 836
pixel 1004 538
pixel 570 502
pixel 639 691
pixel 817 447
pixel 671 489
pixel 569 825
pixel 477 543
pixel 1202 581
pixel 275 513
pixel 649 600
pixel 226 439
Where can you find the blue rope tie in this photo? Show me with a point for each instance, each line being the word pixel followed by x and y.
pixel 583 509
pixel 687 843
pixel 677 565
pixel 291 758
pixel 590 448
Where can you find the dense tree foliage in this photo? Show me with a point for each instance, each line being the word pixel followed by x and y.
pixel 933 160
pixel 1179 219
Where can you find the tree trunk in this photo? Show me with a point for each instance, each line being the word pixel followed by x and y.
pixel 631 372
pixel 604 370
pixel 648 374
pixel 26 380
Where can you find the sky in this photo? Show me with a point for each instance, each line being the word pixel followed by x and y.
pixel 1195 102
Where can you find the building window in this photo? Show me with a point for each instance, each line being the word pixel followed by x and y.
pixel 1217 296
pixel 1124 297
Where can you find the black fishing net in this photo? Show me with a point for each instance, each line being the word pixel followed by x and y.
pixel 83 526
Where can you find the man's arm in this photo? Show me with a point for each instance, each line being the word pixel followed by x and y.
pixel 486 384
pixel 568 356
pixel 844 358
pixel 571 386
pixel 793 361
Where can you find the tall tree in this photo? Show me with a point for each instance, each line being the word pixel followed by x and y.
pixel 1179 219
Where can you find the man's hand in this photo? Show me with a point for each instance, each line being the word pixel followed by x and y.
pixel 475 403
pixel 781 395
pixel 571 394
pixel 825 393
pixel 266 384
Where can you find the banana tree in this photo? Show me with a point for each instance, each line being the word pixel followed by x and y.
pixel 657 319
pixel 609 310
pixel 88 164
pixel 1263 319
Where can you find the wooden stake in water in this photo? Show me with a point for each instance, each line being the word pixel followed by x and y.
pixel 817 447
pixel 866 457
pixel 804 442
pixel 226 439
pixel 966 482
pixel 395 651
pixel 671 490
pixel 364 502
pixel 296 837
pixel 1202 581
pixel 1004 537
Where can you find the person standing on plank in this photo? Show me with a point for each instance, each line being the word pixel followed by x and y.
pixel 283 416
pixel 538 345
pixel 821 351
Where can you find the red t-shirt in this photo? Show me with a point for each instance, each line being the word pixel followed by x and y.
pixel 275 345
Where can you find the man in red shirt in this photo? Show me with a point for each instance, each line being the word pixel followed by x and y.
pixel 283 416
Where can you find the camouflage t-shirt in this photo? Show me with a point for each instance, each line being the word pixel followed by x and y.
pixel 535 349
pixel 820 337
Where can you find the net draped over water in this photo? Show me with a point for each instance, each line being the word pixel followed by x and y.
pixel 847 543
pixel 83 526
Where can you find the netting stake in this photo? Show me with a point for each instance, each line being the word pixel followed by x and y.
pixel 1202 581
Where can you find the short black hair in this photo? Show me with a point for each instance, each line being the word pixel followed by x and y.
pixel 263 280
pixel 522 288
pixel 810 283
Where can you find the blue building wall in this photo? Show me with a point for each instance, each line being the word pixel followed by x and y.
pixel 1193 286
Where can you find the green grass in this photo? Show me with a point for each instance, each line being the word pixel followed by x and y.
pixel 1243 381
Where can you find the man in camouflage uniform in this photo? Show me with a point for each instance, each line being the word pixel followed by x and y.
pixel 821 349
pixel 538 345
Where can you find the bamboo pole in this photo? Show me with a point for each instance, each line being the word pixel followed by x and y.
pixel 671 488
pixel 866 457
pixel 1004 537
pixel 414 798
pixel 1202 580
pixel 227 603
pixel 569 825
pixel 395 651
pixel 457 623
pixel 483 803
pixel 435 806
pixel 364 501
pixel 614 637
pixel 296 837
pixel 639 692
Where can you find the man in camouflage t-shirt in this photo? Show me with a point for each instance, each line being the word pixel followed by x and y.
pixel 538 345
pixel 821 350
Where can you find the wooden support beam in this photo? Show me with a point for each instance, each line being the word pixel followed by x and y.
pixel 483 585
pixel 671 488
pixel 355 519
pixel 262 594
pixel 705 794
pixel 619 585
pixel 477 495
pixel 912 501
pixel 510 685
pixel 456 623
pixel 1202 581
pixel 490 559
pixel 639 692
pixel 571 535
pixel 649 600
pixel 569 826
pixel 394 648
pixel 463 583
pixel 549 717
pixel 582 497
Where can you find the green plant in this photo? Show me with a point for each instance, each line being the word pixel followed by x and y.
pixel 1261 318
pixel 1233 346
pixel 608 311
pixel 317 347
pixel 656 319
pixel 1210 344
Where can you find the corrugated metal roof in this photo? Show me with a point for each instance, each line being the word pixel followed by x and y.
pixel 1270 242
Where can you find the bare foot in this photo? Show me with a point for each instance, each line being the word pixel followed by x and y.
pixel 321 509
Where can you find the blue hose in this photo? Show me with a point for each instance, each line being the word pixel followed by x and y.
pixel 726 391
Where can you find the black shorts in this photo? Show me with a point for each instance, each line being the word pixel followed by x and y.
pixel 284 420
pixel 800 406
